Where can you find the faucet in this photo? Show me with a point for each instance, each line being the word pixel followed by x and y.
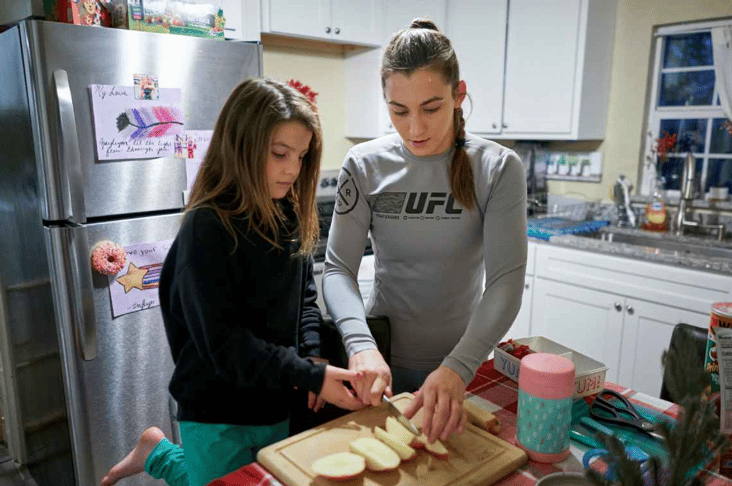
pixel 621 194
pixel 686 198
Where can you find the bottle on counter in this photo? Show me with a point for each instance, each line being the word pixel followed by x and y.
pixel 656 214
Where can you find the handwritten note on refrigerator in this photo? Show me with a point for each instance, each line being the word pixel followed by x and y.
pixel 130 128
pixel 197 143
pixel 136 286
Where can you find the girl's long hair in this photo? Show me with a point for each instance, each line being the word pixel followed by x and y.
pixel 232 179
pixel 422 45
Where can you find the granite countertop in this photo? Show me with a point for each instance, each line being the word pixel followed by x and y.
pixel 686 259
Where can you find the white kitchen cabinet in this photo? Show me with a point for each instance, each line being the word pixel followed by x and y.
pixel 343 21
pixel 534 69
pixel 620 311
pixel 628 335
pixel 366 114
pixel 521 326
pixel 477 29
pixel 582 319
pixel 646 335
pixel 242 20
pixel 558 59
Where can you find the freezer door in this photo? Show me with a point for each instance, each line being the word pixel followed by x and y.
pixel 112 398
pixel 63 60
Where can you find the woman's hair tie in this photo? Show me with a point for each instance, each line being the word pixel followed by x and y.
pixel 459 142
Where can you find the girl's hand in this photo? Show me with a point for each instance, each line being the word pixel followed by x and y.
pixel 441 397
pixel 315 402
pixel 376 376
pixel 335 391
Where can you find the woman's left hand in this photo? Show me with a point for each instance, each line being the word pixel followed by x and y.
pixel 441 398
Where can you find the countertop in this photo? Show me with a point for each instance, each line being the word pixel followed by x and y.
pixel 683 259
pixel 498 394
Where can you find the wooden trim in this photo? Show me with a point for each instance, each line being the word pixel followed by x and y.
pixel 691 26
pixel 286 43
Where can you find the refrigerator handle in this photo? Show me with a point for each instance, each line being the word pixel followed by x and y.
pixel 71 180
pixel 71 269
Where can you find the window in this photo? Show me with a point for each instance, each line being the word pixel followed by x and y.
pixel 684 102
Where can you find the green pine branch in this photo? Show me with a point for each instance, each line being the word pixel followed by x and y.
pixel 694 439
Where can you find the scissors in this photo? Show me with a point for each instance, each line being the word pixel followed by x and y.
pixel 613 408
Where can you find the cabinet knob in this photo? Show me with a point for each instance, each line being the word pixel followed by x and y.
pixel 337 30
pixel 327 30
pixel 504 125
pixel 630 310
pixel 618 307
pixel 526 286
pixel 495 125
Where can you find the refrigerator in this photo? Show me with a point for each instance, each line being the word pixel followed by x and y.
pixel 78 383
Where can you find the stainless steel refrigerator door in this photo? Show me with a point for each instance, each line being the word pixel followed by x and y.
pixel 114 397
pixel 62 60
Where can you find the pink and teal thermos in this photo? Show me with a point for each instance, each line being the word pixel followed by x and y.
pixel 546 389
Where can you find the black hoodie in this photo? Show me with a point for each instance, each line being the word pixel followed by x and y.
pixel 236 321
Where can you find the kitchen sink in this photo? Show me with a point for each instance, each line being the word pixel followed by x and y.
pixel 667 243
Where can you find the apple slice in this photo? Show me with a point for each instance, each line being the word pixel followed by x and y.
pixel 340 466
pixel 419 441
pixel 402 433
pixel 379 456
pixel 437 449
pixel 405 452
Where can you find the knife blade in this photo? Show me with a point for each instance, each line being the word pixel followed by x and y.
pixel 401 418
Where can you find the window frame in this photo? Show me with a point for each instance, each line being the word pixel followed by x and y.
pixel 654 113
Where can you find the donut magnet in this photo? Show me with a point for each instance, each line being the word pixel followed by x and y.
pixel 108 258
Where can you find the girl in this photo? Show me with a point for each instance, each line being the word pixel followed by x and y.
pixel 446 212
pixel 237 293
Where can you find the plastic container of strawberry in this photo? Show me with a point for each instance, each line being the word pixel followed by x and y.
pixel 589 373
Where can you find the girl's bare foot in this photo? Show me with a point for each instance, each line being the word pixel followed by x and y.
pixel 135 461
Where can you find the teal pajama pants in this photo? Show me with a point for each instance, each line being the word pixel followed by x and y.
pixel 210 451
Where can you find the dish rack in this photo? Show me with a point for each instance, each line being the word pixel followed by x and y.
pixel 572 210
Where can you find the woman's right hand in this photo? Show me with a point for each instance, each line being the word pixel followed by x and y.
pixel 335 391
pixel 376 379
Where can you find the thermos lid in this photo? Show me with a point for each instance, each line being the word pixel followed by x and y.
pixel 547 376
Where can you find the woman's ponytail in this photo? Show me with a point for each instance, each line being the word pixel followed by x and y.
pixel 461 173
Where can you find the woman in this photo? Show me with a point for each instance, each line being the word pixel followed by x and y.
pixel 446 211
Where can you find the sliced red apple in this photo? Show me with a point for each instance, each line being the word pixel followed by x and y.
pixel 405 452
pixel 378 456
pixel 437 449
pixel 340 466
pixel 402 433
pixel 419 441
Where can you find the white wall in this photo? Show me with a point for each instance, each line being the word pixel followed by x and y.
pixel 322 70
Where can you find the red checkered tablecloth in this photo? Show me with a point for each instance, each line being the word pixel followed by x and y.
pixel 500 396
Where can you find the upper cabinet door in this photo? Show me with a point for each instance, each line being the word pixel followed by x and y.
pixel 357 21
pixel 307 19
pixel 541 64
pixel 345 21
pixel 399 15
pixel 477 29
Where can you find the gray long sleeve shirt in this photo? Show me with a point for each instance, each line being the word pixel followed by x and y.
pixel 432 256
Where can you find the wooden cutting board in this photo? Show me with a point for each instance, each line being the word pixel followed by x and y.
pixel 476 457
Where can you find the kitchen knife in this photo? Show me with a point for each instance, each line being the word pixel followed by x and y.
pixel 401 418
